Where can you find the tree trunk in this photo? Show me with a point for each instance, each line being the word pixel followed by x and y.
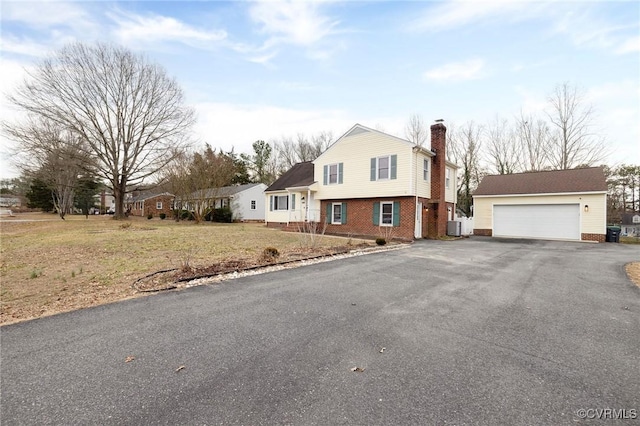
pixel 119 192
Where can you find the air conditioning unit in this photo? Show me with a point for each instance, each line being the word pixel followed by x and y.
pixel 454 228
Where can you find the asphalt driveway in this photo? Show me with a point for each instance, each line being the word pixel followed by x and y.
pixel 474 331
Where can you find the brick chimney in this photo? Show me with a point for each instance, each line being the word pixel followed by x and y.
pixel 437 218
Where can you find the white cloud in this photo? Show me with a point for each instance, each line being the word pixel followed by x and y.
pixel 13 73
pixel 456 71
pixel 631 45
pixel 292 22
pixel 589 26
pixel 229 126
pixel 454 14
pixel 24 46
pixel 156 28
pixel 45 14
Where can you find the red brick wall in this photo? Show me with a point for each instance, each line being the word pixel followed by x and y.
pixel 593 237
pixel 483 232
pixel 360 218
pixel 437 216
pixel 150 207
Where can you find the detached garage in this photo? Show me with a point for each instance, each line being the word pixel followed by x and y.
pixel 559 204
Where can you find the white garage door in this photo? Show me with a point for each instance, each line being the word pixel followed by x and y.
pixel 549 221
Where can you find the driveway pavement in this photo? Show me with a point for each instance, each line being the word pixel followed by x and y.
pixel 475 331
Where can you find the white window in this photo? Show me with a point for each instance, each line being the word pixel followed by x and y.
pixel 386 214
pixel 253 204
pixel 159 205
pixel 447 180
pixel 383 168
pixel 281 202
pixel 336 213
pixel 425 169
pixel 333 174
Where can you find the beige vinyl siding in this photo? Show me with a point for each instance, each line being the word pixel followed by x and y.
pixel 356 151
pixel 450 193
pixel 276 215
pixel 424 186
pixel 591 222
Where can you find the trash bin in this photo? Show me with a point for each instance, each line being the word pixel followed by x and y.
pixel 613 234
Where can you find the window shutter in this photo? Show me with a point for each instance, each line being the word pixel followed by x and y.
pixel 271 203
pixel 394 164
pixel 344 212
pixel 293 201
pixel 329 217
pixel 376 214
pixel 340 167
pixel 325 178
pixel 373 169
pixel 396 213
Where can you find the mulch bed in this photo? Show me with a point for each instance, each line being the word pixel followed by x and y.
pixel 169 279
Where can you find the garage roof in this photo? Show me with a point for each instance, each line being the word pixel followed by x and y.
pixel 554 181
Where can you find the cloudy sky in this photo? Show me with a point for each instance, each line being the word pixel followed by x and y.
pixel 265 69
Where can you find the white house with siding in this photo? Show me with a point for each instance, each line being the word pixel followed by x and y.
pixel 367 181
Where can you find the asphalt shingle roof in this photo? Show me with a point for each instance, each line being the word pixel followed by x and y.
pixel 301 174
pixel 548 182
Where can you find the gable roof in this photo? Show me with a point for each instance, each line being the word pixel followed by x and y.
pixel 301 174
pixel 223 192
pixel 548 182
pixel 147 195
pixel 627 218
pixel 359 128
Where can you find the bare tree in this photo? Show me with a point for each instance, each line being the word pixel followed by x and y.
pixel 465 146
pixel 502 148
pixel 52 154
pixel 289 152
pixel 129 113
pixel 321 141
pixel 416 131
pixel 534 138
pixel 574 142
pixel 286 154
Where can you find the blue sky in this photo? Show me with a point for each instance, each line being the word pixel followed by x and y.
pixel 266 69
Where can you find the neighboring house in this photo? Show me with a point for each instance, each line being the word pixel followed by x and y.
pixel 370 183
pixel 558 204
pixel 9 201
pixel 245 201
pixel 630 226
pixel 150 203
pixel 106 201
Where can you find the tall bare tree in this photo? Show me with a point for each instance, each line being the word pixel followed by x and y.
pixel 127 110
pixel 465 145
pixel 502 148
pixel 416 131
pixel 53 155
pixel 290 152
pixel 574 141
pixel 534 138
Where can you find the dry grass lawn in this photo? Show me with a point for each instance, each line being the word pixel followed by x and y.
pixel 633 271
pixel 50 266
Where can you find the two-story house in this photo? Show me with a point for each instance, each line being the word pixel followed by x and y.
pixel 370 183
